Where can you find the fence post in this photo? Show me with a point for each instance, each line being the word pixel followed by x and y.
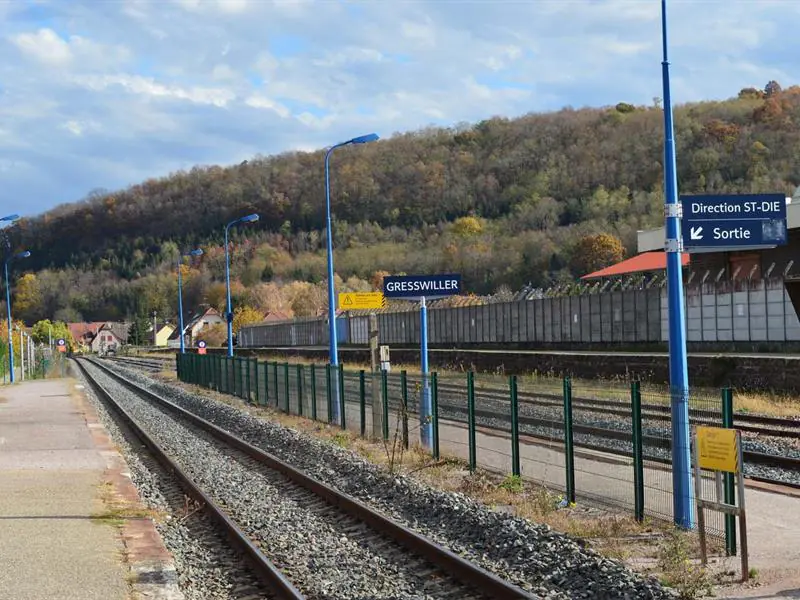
pixel 227 374
pixel 638 460
pixel 178 362
pixel 435 413
pixel 471 420
pixel 314 392
pixel 277 387
pixel 255 381
pixel 236 382
pixel 340 373
pixel 569 455
pixel 385 401
pixel 300 390
pixel 286 386
pixel 248 362
pixel 728 478
pixel 404 398
pixel 328 390
pixel 362 398
pixel 515 469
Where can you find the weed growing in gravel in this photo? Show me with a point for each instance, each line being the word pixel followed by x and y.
pixel 678 570
pixel 512 483
pixel 341 438
pixel 117 511
pixel 396 446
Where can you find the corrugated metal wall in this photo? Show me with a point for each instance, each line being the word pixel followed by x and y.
pixel 724 311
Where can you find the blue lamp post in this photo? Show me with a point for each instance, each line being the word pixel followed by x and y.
pixel 24 254
pixel 334 351
pixel 196 252
pixel 678 371
pixel 229 313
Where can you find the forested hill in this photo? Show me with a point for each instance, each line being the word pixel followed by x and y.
pixel 535 186
pixel 496 167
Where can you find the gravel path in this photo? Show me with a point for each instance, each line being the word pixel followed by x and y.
pixel 542 561
pixel 207 568
pixel 453 407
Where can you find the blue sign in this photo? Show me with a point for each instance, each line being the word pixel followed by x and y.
pixel 61 342
pixel 201 344
pixel 733 221
pixel 418 286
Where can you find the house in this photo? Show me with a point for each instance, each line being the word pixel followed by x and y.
pixel 110 337
pixel 197 323
pixel 163 335
pixel 84 333
pixel 277 315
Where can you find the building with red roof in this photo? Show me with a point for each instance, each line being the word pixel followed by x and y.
pixel 647 262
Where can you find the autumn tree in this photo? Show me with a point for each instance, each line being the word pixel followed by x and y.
pixel 27 301
pixel 245 315
pixel 213 335
pixel 376 280
pixel 595 252
pixel 44 331
pixel 466 227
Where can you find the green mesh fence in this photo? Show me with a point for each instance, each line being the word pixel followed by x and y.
pixel 608 442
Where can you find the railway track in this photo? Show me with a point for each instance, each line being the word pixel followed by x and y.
pixel 439 573
pixel 151 365
pixel 452 405
pixel 262 567
pixel 749 424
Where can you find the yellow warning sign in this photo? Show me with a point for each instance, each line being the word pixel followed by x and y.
pixel 361 300
pixel 716 449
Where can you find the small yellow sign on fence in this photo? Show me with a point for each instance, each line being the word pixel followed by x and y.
pixel 361 300
pixel 716 449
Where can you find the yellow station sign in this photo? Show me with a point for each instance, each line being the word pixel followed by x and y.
pixel 361 300
pixel 716 449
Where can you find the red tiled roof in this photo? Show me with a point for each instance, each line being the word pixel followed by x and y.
pixel 81 330
pixel 277 315
pixel 647 261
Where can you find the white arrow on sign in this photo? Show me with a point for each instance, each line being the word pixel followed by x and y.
pixel 696 233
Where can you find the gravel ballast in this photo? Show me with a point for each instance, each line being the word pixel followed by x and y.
pixel 542 561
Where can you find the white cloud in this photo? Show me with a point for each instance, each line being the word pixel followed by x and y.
pixel 103 94
pixel 259 101
pixel 45 46
pixel 147 86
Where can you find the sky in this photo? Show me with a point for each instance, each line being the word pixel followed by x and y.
pixel 102 94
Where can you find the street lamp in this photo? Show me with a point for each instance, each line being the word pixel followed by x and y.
pixel 196 252
pixel 229 314
pixel 334 351
pixel 682 500
pixel 24 254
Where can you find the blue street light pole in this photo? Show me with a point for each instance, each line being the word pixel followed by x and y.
pixel 683 514
pixel 229 313
pixel 24 254
pixel 334 350
pixel 196 252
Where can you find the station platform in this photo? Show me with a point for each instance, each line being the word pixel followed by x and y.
pixel 70 517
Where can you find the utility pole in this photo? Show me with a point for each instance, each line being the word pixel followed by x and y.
pixel 155 333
